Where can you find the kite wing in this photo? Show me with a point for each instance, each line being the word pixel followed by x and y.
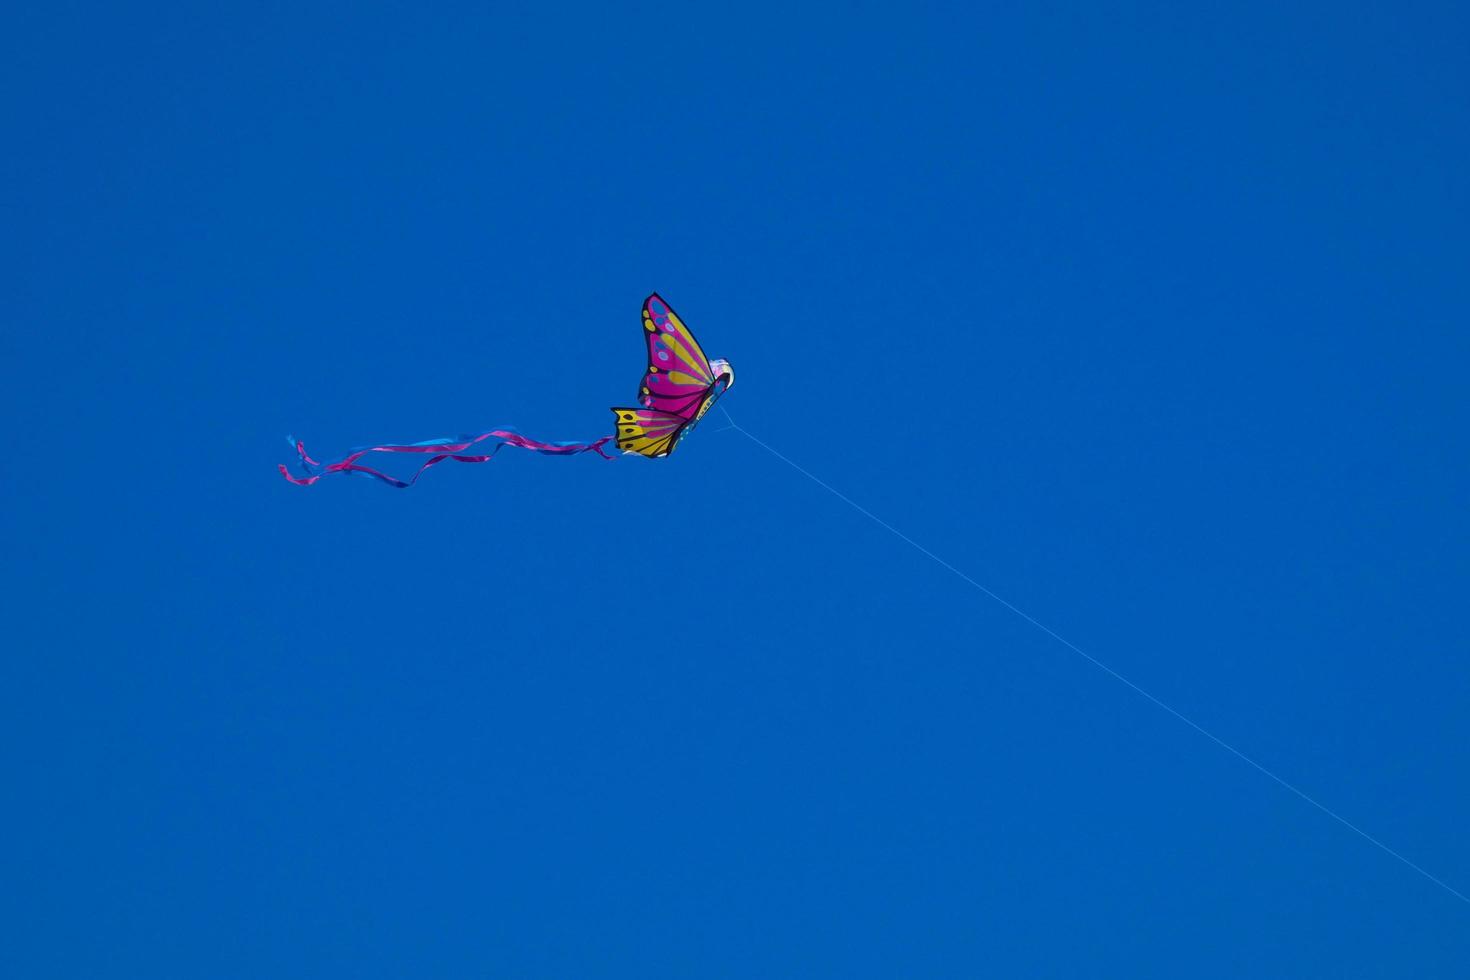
pixel 679 376
pixel 647 431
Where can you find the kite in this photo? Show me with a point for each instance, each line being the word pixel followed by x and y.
pixel 678 388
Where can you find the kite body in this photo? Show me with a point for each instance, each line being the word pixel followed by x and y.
pixel 679 387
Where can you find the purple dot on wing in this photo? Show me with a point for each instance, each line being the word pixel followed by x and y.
pixel 663 355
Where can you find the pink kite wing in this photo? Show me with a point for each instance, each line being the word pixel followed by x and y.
pixel 679 375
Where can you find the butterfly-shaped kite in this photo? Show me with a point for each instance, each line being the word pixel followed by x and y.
pixel 679 386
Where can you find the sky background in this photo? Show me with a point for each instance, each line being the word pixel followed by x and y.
pixel 1152 320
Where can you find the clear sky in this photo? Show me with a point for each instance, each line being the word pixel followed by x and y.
pixel 1152 320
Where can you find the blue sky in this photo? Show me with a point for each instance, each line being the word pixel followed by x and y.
pixel 1151 320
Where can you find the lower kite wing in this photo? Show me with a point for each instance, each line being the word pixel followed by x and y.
pixel 647 431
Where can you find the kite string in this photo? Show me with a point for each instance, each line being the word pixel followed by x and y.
pixel 1097 663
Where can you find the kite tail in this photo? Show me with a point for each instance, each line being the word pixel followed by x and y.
pixel 440 450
